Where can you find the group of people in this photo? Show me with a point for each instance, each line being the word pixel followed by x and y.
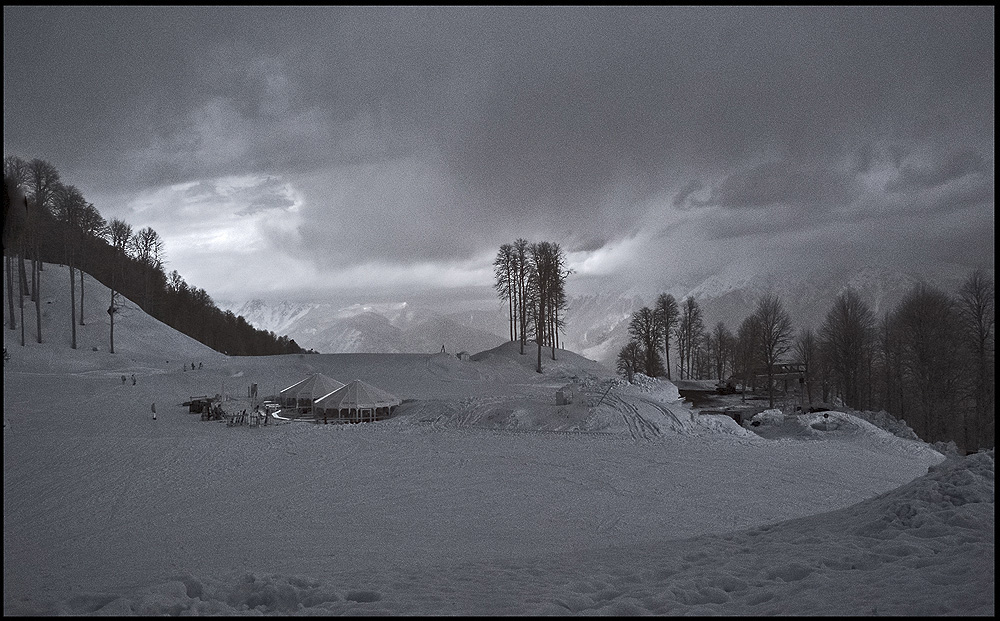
pixel 124 379
pixel 192 366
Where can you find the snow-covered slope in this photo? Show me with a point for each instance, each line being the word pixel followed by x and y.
pixel 480 496
pixel 140 341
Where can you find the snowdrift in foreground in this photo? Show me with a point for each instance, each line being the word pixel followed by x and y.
pixel 925 548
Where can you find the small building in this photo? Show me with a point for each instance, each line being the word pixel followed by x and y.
pixel 463 355
pixel 357 402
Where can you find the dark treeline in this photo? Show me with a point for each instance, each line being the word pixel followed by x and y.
pixel 47 221
pixel 531 278
pixel 930 361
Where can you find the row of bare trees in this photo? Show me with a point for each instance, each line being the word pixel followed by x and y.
pixel 531 278
pixel 651 331
pixel 46 220
pixel 929 361
pixel 763 339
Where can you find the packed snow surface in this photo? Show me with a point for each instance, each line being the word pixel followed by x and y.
pixel 480 495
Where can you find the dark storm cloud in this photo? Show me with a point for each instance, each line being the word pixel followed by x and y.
pixel 782 183
pixel 436 133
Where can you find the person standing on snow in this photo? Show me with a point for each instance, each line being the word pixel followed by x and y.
pixel 153 407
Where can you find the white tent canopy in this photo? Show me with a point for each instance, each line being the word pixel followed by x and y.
pixel 303 393
pixel 357 401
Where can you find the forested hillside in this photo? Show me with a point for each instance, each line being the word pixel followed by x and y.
pixel 46 220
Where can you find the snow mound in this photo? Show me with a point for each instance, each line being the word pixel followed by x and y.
pixel 648 410
pixel 884 420
pixel 832 425
pixel 566 366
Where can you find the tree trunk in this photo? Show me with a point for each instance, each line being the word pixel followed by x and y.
pixel 666 354
pixel 38 302
pixel 111 307
pixel 10 290
pixel 20 298
pixel 524 310
pixel 81 296
pixel 72 302
pixel 22 273
pixel 540 336
pixel 80 270
pixel 111 314
pixel 510 312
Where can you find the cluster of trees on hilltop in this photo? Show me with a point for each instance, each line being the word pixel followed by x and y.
pixel 531 278
pixel 47 221
pixel 930 361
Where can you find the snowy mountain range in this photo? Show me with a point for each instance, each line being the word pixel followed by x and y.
pixel 382 328
pixel 596 324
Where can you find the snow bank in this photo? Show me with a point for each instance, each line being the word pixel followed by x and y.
pixel 836 426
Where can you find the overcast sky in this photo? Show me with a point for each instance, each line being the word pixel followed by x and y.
pixel 317 151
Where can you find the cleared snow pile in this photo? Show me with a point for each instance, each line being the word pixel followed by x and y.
pixel 663 390
pixel 833 425
pixel 771 418
pixel 884 420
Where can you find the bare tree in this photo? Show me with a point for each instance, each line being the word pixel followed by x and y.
pixel 42 181
pixel 690 329
pixel 521 270
pixel 720 342
pixel 92 225
pixel 747 351
pixel 14 227
pixel 631 359
pixel 645 330
pixel 547 278
pixel 775 336
pixel 928 331
pixel 16 173
pixel 666 315
pixel 147 248
pixel 121 233
pixel 806 353
pixel 68 205
pixel 847 334
pixel 503 275
pixel 976 308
